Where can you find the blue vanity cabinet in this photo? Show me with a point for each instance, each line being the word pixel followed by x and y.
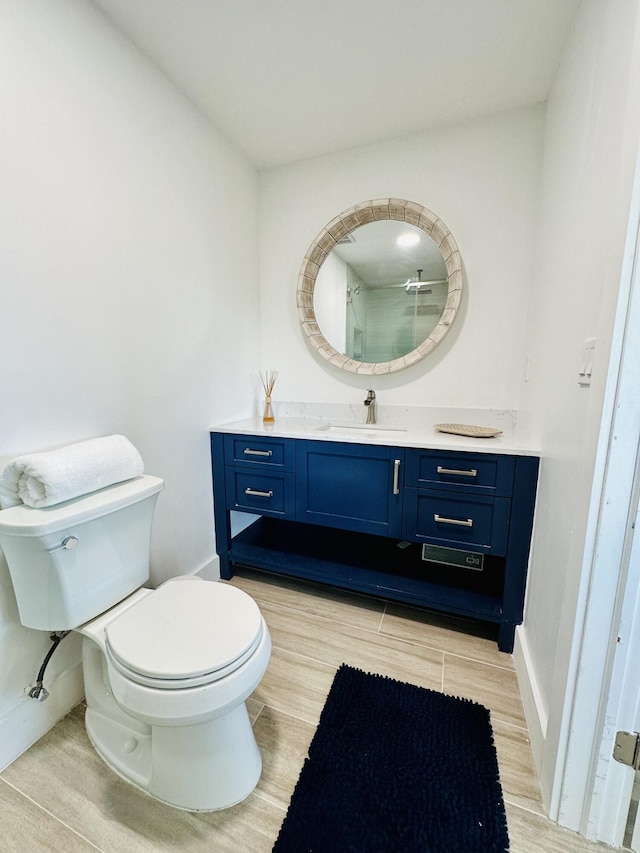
pixel 381 520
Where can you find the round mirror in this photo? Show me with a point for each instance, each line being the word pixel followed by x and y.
pixel 380 286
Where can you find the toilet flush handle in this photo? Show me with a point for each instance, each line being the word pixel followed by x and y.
pixel 68 543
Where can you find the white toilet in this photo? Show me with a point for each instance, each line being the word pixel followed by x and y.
pixel 166 671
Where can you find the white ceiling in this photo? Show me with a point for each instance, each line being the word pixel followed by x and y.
pixel 290 79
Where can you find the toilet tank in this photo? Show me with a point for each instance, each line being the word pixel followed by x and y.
pixel 73 561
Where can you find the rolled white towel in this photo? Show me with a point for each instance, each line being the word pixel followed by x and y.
pixel 47 478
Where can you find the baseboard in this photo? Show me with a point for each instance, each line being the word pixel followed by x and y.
pixel 30 720
pixel 535 711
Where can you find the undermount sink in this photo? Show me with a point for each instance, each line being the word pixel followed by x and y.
pixel 379 430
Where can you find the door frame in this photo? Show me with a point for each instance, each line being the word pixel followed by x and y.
pixel 592 792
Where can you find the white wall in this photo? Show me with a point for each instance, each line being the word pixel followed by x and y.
pixel 481 178
pixel 591 138
pixel 129 291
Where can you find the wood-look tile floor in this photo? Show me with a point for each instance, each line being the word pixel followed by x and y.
pixel 59 796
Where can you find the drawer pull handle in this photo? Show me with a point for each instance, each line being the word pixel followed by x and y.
pixel 470 473
pixel 460 522
pixel 396 477
pixel 258 494
pixel 249 452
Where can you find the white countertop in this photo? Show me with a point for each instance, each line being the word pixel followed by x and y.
pixel 415 429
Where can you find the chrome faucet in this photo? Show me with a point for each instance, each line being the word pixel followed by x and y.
pixel 370 403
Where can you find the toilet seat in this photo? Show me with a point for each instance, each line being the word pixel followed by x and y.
pixel 184 635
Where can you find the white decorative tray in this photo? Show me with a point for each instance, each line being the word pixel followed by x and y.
pixel 468 430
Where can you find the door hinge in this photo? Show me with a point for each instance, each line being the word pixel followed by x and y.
pixel 626 749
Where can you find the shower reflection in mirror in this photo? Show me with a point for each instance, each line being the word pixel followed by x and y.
pixel 375 312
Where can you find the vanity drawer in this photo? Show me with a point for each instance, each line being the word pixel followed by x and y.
pixel 467 521
pixel 479 473
pixel 263 492
pixel 259 452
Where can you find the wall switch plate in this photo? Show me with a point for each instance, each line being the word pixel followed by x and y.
pixel 586 362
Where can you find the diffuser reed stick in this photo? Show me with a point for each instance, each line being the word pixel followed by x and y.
pixel 268 381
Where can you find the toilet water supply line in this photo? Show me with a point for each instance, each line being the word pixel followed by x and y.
pixel 38 691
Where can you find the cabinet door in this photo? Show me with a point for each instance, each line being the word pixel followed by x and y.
pixel 350 486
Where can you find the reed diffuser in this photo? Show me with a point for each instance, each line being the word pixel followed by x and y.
pixel 268 381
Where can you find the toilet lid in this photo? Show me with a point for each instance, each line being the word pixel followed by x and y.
pixel 185 630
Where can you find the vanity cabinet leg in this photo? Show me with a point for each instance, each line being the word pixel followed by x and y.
pixel 223 543
pixel 221 515
pixel 226 572
pixel 506 636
